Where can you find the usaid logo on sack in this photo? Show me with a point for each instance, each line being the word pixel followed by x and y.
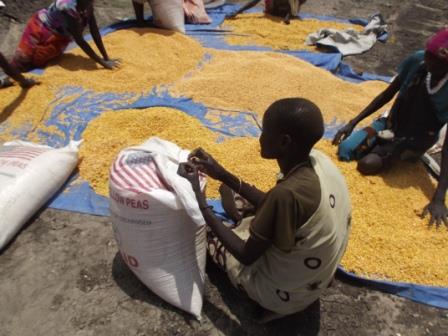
pixel 139 158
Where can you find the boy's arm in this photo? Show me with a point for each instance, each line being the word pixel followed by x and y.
pixel 251 193
pixel 245 252
pixel 206 163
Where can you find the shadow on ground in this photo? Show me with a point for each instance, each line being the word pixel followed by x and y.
pixel 241 320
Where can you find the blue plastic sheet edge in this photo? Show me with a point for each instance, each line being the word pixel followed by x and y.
pixel 98 205
pixel 212 37
pixel 429 295
pixel 80 198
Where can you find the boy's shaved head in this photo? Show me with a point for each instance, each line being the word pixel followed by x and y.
pixel 299 118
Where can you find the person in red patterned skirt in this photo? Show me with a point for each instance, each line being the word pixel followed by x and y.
pixel 50 30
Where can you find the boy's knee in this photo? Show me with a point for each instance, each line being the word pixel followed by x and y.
pixel 370 164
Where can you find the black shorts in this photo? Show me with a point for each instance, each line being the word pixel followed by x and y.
pixel 405 149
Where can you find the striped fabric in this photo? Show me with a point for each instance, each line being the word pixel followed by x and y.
pixel 137 172
pixel 21 152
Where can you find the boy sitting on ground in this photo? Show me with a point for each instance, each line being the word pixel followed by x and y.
pixel 287 254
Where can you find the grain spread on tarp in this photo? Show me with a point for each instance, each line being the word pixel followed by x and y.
pixel 389 240
pixel 149 57
pixel 115 130
pixel 251 81
pixel 270 31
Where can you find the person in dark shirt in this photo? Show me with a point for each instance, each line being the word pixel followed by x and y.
pixel 413 124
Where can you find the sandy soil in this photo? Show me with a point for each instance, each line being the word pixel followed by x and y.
pixel 62 275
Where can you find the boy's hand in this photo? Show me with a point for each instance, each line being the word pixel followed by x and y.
pixel 206 163
pixel 190 172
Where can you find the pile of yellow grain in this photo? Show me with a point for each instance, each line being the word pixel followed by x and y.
pixel 115 130
pixel 23 109
pixel 241 156
pixel 251 81
pixel 149 57
pixel 389 240
pixel 270 31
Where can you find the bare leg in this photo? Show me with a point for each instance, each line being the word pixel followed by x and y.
pixel 228 203
pixel 371 164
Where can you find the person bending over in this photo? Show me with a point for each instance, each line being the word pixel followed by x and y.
pixel 413 124
pixel 285 255
pixel 50 30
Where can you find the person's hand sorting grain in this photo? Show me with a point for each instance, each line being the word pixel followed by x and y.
pixel 206 163
pixel 413 124
pixel 286 253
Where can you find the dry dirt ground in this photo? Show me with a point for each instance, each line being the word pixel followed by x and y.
pixel 63 276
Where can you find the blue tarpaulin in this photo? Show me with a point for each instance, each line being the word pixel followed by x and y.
pixel 78 196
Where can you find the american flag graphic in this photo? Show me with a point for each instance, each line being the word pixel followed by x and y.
pixel 137 172
pixel 26 153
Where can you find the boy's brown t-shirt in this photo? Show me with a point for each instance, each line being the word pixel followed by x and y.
pixel 287 207
pixel 307 217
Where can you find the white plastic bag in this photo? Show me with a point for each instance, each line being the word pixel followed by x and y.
pixel 168 14
pixel 29 176
pixel 157 223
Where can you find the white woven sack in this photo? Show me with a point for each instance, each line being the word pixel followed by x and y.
pixel 157 224
pixel 29 176
pixel 168 14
